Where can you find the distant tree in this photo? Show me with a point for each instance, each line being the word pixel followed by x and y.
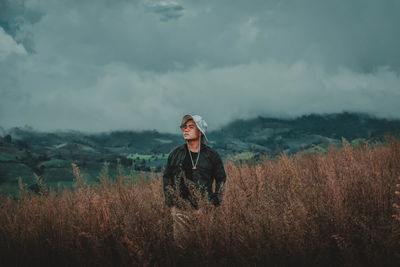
pixel 126 161
pixel 22 144
pixel 43 157
pixel 7 139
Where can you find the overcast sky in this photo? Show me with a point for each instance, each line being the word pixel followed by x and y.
pixel 141 64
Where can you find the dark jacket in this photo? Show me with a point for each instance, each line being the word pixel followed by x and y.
pixel 209 167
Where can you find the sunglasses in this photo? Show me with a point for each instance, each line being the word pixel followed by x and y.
pixel 187 127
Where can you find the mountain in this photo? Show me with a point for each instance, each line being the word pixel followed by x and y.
pixel 24 151
pixel 272 136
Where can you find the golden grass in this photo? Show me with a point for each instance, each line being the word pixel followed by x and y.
pixel 338 208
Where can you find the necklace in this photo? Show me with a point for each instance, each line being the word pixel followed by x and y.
pixel 190 154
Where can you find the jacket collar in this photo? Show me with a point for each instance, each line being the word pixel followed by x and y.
pixel 183 147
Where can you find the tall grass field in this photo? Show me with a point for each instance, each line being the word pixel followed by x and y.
pixel 334 208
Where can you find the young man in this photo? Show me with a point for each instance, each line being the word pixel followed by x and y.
pixel 190 172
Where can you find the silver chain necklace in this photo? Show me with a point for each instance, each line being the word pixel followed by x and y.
pixel 198 155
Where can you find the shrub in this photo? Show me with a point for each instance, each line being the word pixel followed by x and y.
pixel 333 208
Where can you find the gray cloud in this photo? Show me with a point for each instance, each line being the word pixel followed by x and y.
pixel 167 10
pixel 142 65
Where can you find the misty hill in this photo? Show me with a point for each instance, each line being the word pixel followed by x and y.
pixel 272 136
pixel 50 154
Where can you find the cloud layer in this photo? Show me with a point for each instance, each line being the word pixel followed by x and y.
pixel 144 64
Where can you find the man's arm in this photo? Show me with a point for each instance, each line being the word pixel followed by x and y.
pixel 168 183
pixel 220 179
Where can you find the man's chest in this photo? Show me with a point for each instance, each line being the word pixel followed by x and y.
pixel 199 162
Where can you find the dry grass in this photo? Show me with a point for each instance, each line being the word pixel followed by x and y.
pixel 338 208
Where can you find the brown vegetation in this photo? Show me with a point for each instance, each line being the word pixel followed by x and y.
pixel 338 208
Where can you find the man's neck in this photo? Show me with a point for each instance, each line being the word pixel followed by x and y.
pixel 193 145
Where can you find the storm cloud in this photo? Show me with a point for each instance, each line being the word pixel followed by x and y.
pixel 107 65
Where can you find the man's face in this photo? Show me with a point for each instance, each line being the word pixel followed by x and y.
pixel 190 131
